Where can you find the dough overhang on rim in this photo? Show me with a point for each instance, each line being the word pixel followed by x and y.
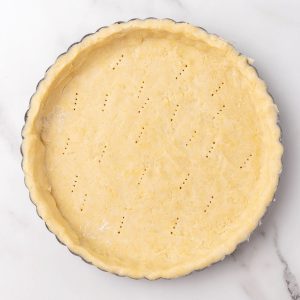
pixel 151 148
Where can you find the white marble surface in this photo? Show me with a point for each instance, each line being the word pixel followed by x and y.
pixel 33 265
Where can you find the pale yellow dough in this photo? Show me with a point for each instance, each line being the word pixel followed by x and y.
pixel 151 149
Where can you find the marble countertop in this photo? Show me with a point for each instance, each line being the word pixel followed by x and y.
pixel 33 265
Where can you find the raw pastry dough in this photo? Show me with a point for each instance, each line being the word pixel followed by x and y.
pixel 151 148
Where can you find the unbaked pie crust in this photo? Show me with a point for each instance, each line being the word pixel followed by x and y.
pixel 151 148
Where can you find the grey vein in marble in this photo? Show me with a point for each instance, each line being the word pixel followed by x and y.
pixel 177 2
pixel 289 277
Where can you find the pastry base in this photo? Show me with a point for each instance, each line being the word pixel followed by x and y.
pixel 151 149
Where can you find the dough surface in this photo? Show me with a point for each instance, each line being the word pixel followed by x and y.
pixel 151 149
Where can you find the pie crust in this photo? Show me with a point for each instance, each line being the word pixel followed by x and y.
pixel 151 148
